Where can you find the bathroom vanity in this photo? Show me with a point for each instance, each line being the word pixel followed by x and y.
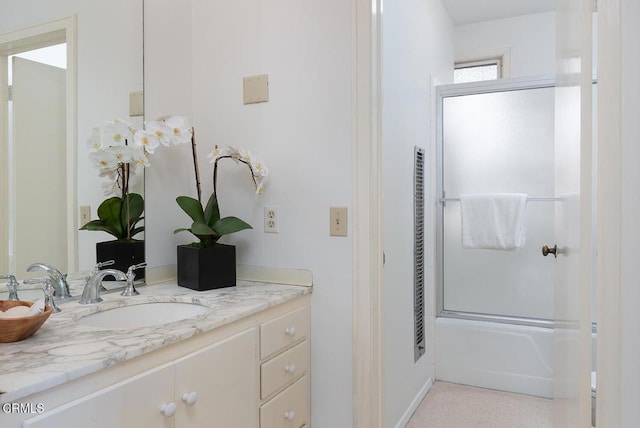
pixel 243 363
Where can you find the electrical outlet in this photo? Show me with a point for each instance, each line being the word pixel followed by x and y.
pixel 85 214
pixel 338 221
pixel 271 220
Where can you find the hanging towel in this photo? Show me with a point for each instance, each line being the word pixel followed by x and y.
pixel 494 221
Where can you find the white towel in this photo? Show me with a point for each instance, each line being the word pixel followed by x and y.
pixel 494 221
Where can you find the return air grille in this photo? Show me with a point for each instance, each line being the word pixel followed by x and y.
pixel 418 251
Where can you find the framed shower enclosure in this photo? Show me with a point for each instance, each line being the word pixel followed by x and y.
pixel 496 137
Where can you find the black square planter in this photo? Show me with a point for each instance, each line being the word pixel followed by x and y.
pixel 206 268
pixel 124 253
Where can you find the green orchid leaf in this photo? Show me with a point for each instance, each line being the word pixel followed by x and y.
pixel 109 213
pixel 192 207
pixel 202 229
pixel 135 208
pixel 182 229
pixel 100 226
pixel 212 212
pixel 228 225
pixel 132 209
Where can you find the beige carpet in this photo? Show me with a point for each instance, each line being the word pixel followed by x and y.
pixel 449 405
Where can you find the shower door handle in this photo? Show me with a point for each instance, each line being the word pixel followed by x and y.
pixel 546 250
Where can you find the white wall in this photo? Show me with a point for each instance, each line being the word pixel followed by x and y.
pixel 417 46
pixel 630 292
pixel 109 60
pixel 531 40
pixel 304 134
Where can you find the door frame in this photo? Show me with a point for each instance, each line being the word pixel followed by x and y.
pixel 26 39
pixel 609 407
pixel 368 405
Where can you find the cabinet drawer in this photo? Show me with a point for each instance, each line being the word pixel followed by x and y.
pixel 283 331
pixel 289 409
pixel 282 369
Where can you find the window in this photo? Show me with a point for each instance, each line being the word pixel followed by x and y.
pixel 476 71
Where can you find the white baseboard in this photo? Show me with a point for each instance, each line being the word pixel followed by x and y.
pixel 414 404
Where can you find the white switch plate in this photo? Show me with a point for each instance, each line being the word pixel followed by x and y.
pixel 255 89
pixel 136 103
pixel 271 220
pixel 85 214
pixel 338 221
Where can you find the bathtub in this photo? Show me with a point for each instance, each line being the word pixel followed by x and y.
pixel 499 356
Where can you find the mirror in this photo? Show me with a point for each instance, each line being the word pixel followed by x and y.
pixel 104 50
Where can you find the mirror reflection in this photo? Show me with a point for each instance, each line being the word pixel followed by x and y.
pixel 86 76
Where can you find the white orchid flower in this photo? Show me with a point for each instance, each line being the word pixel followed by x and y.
pixel 259 169
pixel 148 141
pixel 138 158
pixel 104 159
pixel 219 152
pixel 260 185
pixel 181 130
pixel 94 142
pixel 117 132
pixel 245 155
pixel 124 154
pixel 161 131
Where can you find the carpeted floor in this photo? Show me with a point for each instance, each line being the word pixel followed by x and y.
pixel 449 405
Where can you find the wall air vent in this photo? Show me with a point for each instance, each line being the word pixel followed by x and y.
pixel 418 252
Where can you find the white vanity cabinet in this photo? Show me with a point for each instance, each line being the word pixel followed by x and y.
pixel 210 387
pixel 132 403
pixel 249 373
pixel 214 387
pixel 284 370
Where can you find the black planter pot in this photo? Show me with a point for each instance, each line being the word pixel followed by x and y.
pixel 206 268
pixel 124 253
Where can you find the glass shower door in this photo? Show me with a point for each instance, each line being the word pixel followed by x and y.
pixel 499 141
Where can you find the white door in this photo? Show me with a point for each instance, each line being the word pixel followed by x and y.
pixel 573 220
pixel 39 145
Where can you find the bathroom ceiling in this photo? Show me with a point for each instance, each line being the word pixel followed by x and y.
pixel 469 11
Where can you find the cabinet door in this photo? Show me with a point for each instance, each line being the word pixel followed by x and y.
pixel 222 379
pixel 133 403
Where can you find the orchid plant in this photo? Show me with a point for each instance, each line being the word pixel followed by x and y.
pixel 208 226
pixel 121 152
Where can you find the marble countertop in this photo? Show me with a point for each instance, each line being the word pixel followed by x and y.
pixel 63 350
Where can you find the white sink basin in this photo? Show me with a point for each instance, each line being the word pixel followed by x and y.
pixel 142 315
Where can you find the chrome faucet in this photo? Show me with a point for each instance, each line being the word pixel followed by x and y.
pixel 58 280
pixel 91 292
pixel 131 276
pixel 12 286
pixel 47 287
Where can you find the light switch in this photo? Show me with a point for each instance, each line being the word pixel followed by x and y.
pixel 136 103
pixel 255 89
pixel 85 214
pixel 338 221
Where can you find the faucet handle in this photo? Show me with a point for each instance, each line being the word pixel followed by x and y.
pixel 131 275
pixel 12 286
pixel 131 269
pixel 48 291
pixel 103 264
